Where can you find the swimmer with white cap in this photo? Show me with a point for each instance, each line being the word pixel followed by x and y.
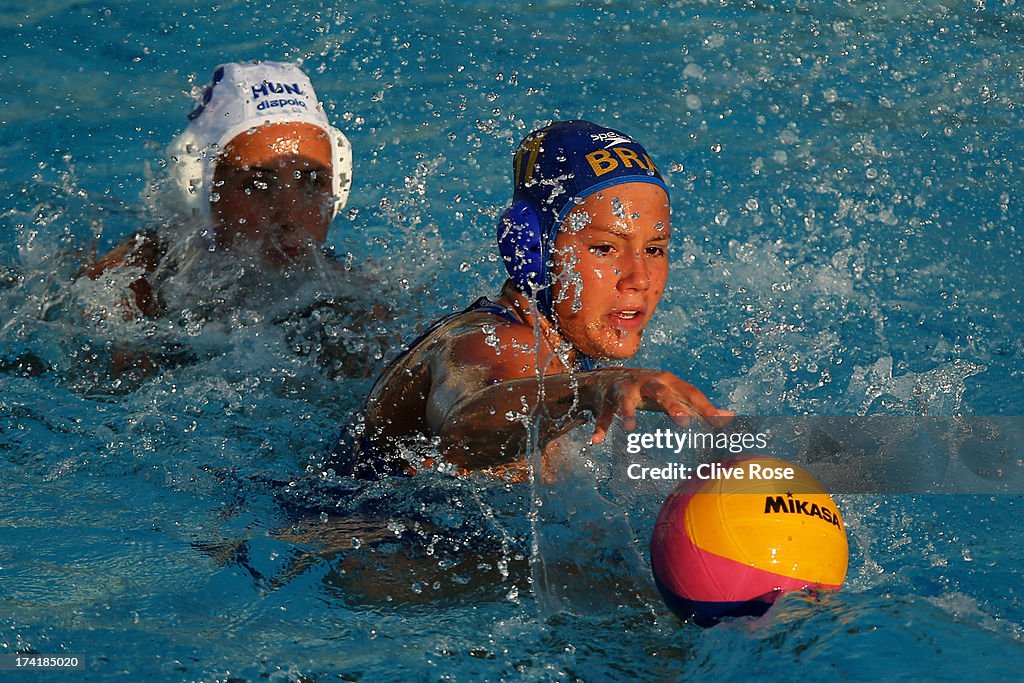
pixel 259 166
pixel 585 243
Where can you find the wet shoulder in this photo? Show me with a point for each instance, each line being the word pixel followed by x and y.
pixel 497 347
pixel 477 336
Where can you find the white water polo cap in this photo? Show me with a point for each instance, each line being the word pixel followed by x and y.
pixel 240 97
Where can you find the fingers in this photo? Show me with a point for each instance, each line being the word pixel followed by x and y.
pixel 605 416
pixel 721 418
pixel 666 399
pixel 621 400
pixel 697 404
pixel 604 421
pixel 623 394
pixel 692 403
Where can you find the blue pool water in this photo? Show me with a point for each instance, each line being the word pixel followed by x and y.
pixel 847 207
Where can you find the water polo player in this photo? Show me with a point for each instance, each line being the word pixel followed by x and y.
pixel 585 243
pixel 259 168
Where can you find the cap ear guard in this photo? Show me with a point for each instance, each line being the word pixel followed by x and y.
pixel 341 169
pixel 521 245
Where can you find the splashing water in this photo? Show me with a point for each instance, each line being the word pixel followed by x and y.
pixel 845 227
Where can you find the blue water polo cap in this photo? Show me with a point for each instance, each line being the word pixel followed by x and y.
pixel 555 169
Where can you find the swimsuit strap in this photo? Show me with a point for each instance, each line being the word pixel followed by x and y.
pixel 481 305
pixel 493 307
pixel 485 305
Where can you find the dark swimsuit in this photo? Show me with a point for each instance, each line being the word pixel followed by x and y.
pixel 356 455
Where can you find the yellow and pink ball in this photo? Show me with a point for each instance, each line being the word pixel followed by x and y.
pixel 728 546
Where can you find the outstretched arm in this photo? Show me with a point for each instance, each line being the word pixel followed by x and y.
pixel 481 413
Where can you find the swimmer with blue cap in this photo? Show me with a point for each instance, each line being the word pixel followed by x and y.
pixel 585 243
pixel 259 170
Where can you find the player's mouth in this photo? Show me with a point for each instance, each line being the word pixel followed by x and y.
pixel 628 318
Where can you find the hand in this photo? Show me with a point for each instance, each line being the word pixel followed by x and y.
pixel 623 391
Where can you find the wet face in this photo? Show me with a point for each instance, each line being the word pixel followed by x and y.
pixel 610 267
pixel 272 191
